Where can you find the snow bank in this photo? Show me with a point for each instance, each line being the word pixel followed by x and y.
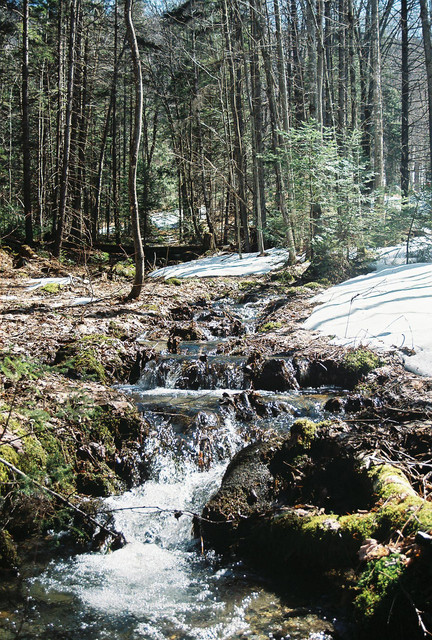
pixel 226 265
pixel 420 250
pixel 388 309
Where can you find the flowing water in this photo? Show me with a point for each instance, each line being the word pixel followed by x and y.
pixel 162 585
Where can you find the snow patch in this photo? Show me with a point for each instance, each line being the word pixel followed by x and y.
pixel 226 265
pixel 420 250
pixel 36 283
pixel 388 309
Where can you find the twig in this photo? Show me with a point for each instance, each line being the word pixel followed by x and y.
pixel 58 496
pixel 177 513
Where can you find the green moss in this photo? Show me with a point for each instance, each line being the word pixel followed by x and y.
pixel 34 457
pixel 125 269
pixel 360 362
pixel 378 583
pixel 176 282
pixel 87 365
pixel 284 277
pixel 304 430
pixel 9 454
pixel 117 331
pixel 358 526
pixel 52 288
pixel 313 286
pixel 296 291
pixel 112 428
pixel 8 551
pixel 82 357
pixel 269 326
pixel 246 284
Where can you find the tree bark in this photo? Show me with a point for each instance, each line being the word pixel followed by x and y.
pixel 427 44
pixel 233 41
pixel 26 128
pixel 377 99
pixel 64 177
pixel 404 163
pixel 133 153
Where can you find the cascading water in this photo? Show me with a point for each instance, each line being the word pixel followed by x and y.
pixel 161 586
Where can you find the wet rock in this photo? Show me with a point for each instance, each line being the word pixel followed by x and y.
pixel 312 466
pixel 275 375
pixel 221 323
pixel 187 332
pixel 318 372
pixel 334 405
pixel 182 312
pixel 248 486
pixel 173 344
pixel 249 405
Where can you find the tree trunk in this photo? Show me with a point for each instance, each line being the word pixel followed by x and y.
pixel 26 128
pixel 233 46
pixel 377 98
pixel 257 128
pixel 114 130
pixel 133 153
pixel 426 28
pixel 64 177
pixel 275 128
pixel 404 163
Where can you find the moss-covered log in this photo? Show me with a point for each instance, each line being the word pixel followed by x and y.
pixel 307 536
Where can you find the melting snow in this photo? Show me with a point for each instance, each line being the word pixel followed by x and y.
pixel 388 309
pixel 226 265
pixel 36 283
pixel 419 250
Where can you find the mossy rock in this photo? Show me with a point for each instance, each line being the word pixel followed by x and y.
pixel 176 282
pixel 8 551
pixel 9 454
pixel 126 269
pixel 97 482
pixel 360 362
pixel 100 357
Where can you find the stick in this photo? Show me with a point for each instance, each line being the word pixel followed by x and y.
pixel 58 496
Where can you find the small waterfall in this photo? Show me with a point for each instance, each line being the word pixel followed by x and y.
pixel 190 372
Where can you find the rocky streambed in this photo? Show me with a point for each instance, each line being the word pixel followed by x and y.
pixel 229 419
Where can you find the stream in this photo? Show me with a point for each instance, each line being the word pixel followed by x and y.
pixel 162 585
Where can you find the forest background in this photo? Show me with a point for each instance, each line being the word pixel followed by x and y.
pixel 303 123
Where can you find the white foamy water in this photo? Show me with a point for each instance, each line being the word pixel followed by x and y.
pixel 158 581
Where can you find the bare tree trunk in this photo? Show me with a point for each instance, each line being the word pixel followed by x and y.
pixel 233 45
pixel 276 142
pixel 133 154
pixel 59 118
pixel 404 163
pixel 64 178
pixel 342 72
pixel 257 128
pixel 283 92
pixel 320 61
pixel 26 128
pixel 377 99
pixel 114 130
pixel 426 28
